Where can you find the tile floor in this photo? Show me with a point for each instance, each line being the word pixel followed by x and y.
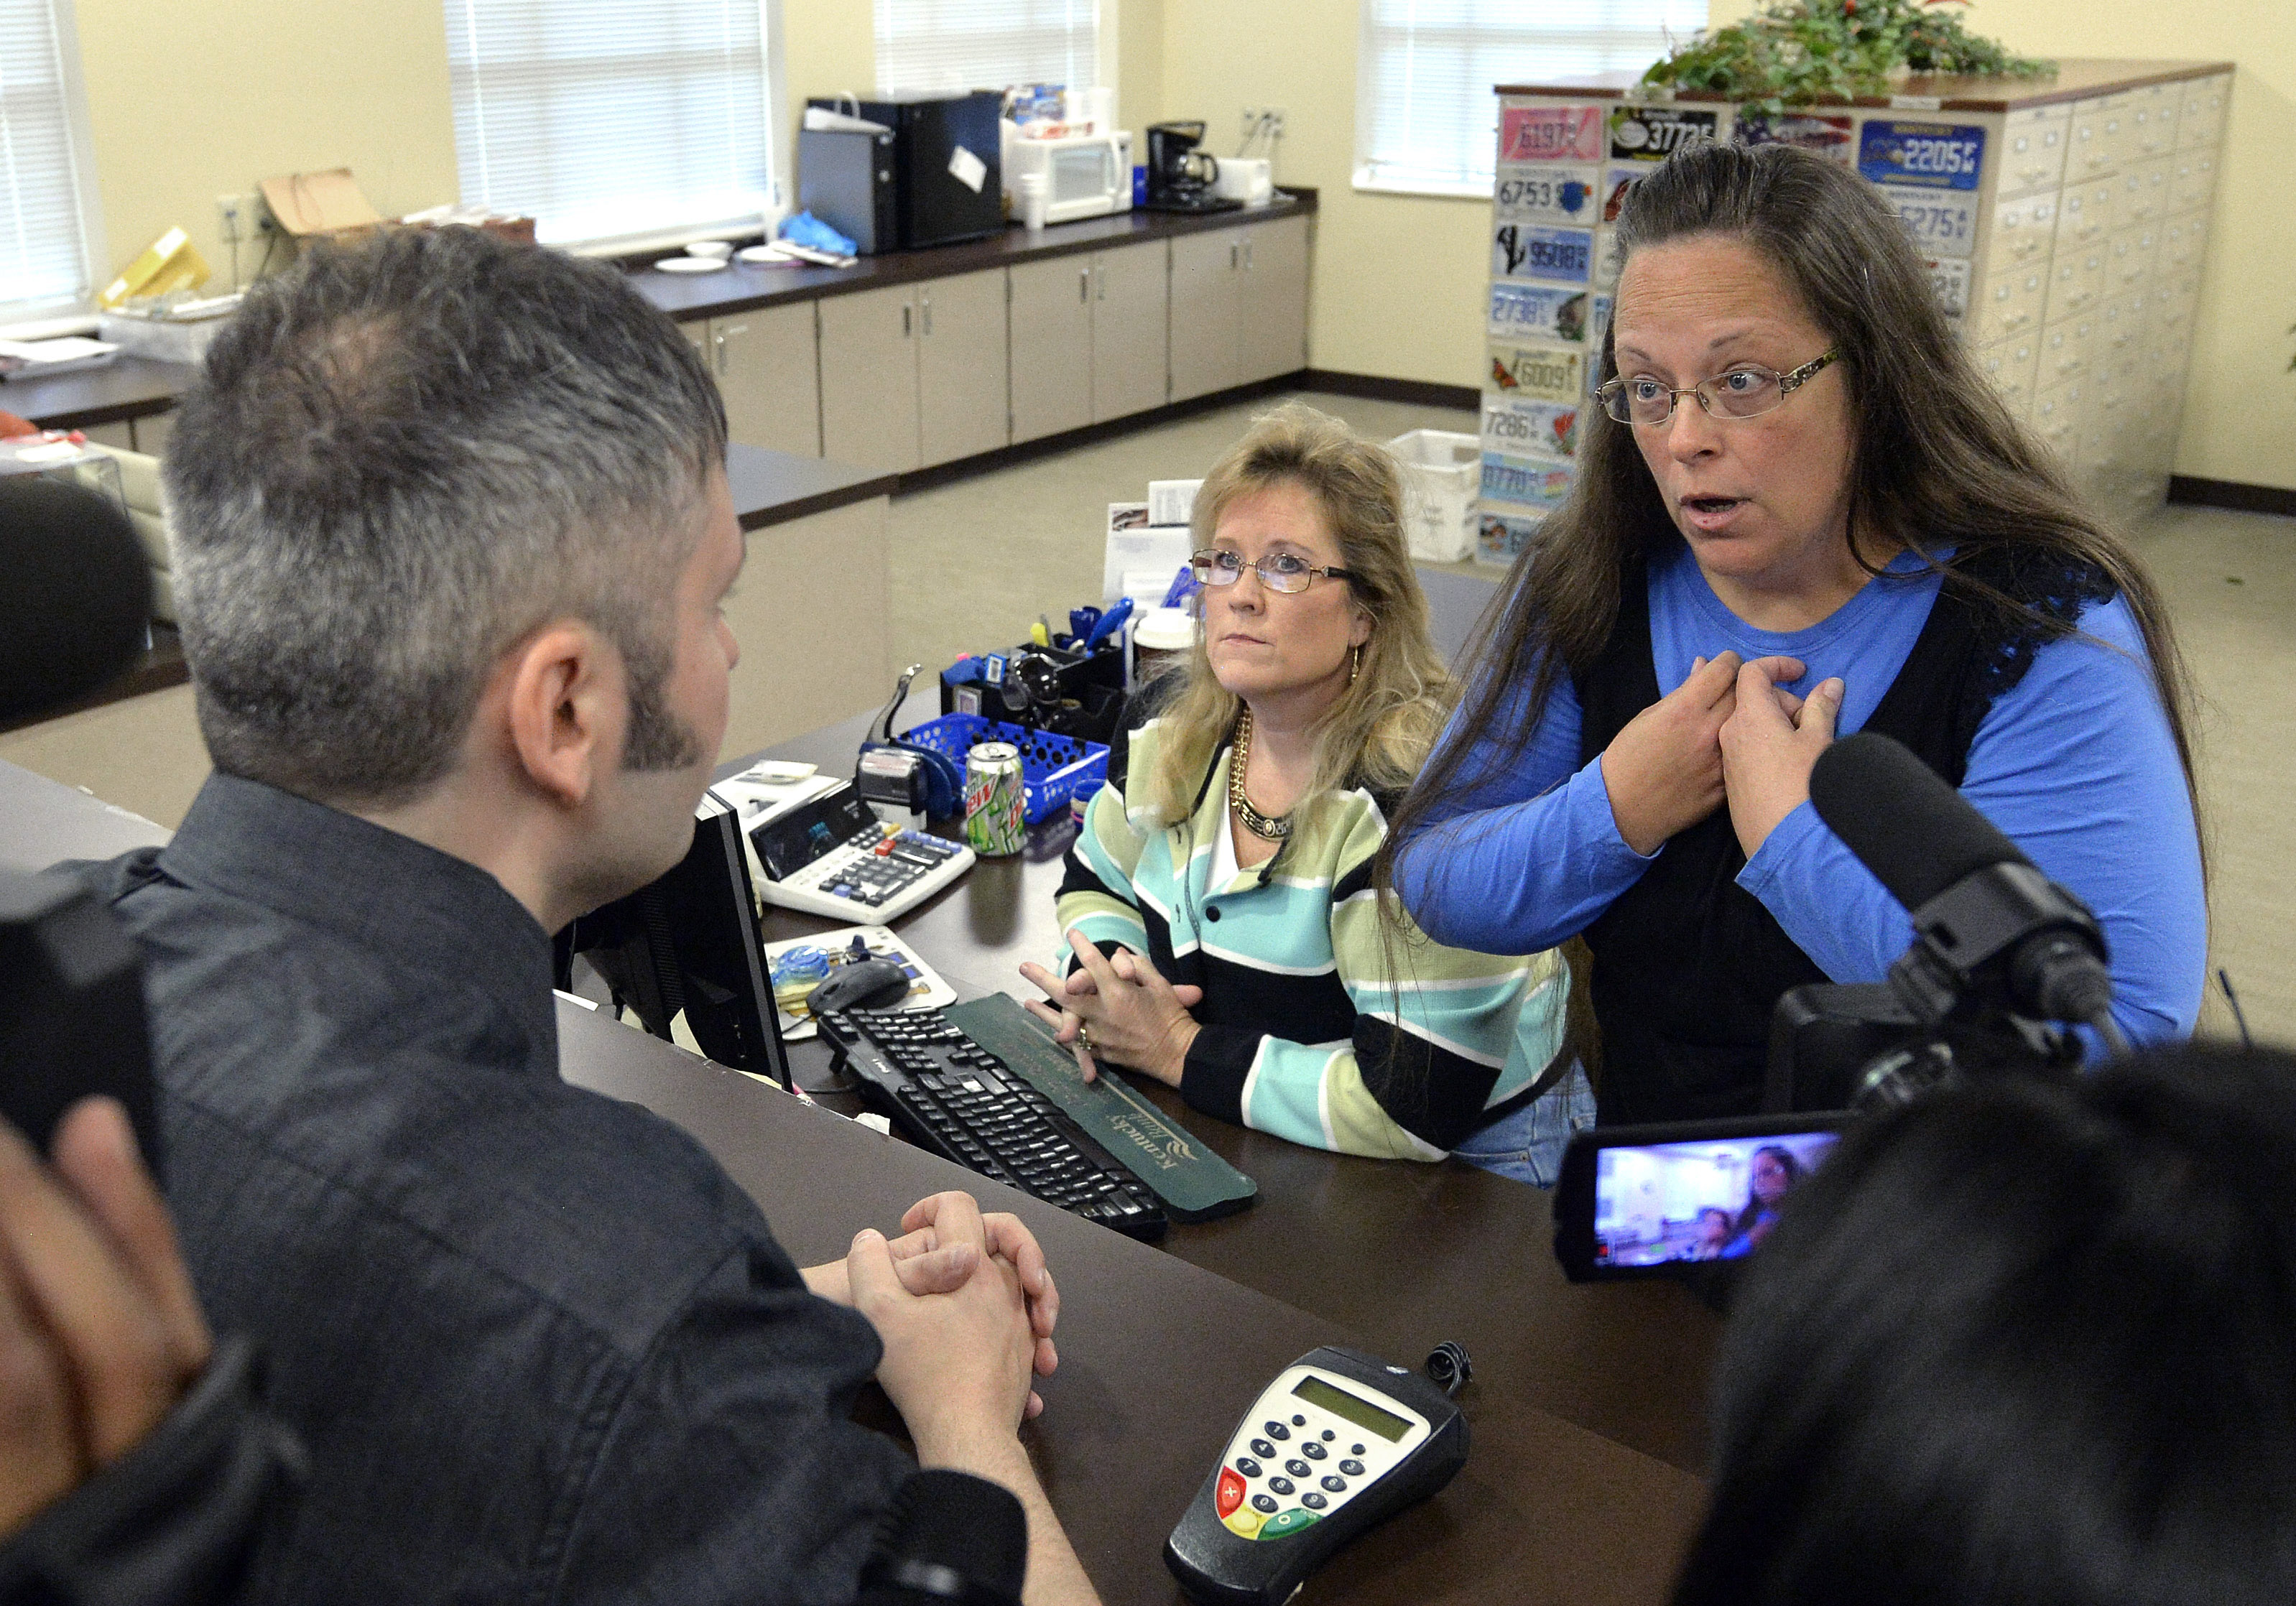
pixel 974 562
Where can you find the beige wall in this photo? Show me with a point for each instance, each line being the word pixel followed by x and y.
pixel 191 98
pixel 1399 279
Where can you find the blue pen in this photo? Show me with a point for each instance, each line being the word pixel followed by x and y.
pixel 1109 624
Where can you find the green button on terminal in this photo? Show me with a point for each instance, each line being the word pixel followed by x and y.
pixel 1287 1523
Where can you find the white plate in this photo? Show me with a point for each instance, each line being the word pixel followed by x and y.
pixel 760 253
pixel 691 264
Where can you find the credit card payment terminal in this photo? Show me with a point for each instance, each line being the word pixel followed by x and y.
pixel 1336 1444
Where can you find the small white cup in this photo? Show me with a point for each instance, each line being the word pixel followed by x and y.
pixel 1033 199
pixel 717 251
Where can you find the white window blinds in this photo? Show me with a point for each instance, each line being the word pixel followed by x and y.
pixel 45 231
pixel 987 43
pixel 1425 117
pixel 609 122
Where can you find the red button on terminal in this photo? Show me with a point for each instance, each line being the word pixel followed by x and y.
pixel 1231 1491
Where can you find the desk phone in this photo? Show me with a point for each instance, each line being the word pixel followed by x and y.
pixel 1337 1444
pixel 829 855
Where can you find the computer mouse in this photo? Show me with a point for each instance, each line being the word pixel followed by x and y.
pixel 874 984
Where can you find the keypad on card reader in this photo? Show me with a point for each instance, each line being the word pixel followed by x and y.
pixel 953 1096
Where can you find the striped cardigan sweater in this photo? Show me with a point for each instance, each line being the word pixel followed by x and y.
pixel 1317 1024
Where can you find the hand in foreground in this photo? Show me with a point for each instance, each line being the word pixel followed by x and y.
pixel 1663 772
pixel 929 1261
pixel 100 1333
pixel 1121 1007
pixel 956 1364
pixel 1769 745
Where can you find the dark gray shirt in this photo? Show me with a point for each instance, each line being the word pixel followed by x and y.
pixel 539 1345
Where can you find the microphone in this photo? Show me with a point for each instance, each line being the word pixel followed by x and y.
pixel 1990 928
pixel 950 1538
pixel 77 608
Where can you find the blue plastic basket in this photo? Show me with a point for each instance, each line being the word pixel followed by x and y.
pixel 1053 768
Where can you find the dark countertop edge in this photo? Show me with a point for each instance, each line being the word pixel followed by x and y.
pixel 160 666
pixel 2141 74
pixel 689 299
pixel 821 502
pixel 773 488
pixel 125 388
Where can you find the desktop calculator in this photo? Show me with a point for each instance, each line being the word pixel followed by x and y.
pixel 829 856
pixel 1337 1444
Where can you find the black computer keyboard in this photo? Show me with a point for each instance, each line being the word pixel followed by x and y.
pixel 950 1095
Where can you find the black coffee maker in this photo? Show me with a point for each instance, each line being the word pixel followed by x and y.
pixel 1180 176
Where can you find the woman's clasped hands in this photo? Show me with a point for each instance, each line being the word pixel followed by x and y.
pixel 1118 1009
pixel 1730 732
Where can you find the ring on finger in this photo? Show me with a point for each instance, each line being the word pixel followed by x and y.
pixel 1083 1038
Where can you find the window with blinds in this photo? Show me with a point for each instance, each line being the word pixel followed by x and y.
pixel 47 221
pixel 613 124
pixel 1425 119
pixel 987 43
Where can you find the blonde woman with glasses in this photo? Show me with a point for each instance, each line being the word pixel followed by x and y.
pixel 1224 935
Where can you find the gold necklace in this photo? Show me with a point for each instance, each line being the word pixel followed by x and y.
pixel 1270 828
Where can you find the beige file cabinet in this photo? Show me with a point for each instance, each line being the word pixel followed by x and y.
pixel 2065 221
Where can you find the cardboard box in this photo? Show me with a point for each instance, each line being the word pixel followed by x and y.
pixel 307 204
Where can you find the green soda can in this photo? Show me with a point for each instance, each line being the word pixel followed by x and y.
pixel 996 818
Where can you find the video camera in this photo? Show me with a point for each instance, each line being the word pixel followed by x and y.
pixel 2003 959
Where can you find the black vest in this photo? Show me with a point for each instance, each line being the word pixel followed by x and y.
pixel 1688 965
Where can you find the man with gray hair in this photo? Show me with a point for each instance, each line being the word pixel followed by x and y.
pixel 452 533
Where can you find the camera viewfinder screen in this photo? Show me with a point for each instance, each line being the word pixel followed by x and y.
pixel 1716 1198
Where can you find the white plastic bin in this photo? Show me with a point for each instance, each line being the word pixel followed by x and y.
pixel 1442 475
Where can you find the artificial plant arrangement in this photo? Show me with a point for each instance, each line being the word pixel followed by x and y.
pixel 1799 51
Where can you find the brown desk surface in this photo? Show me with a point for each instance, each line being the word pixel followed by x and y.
pixel 1159 1358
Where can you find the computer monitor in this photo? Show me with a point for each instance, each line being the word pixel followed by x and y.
pixel 689 943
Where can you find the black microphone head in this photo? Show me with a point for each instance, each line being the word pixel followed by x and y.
pixel 78 595
pixel 949 1536
pixel 1916 834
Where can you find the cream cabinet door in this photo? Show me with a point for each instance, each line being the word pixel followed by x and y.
pixel 765 369
pixel 1273 330
pixel 869 379
pixel 1207 270
pixel 963 366
pixel 1131 314
pixel 1051 347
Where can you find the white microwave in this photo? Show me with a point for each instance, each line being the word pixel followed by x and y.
pixel 1086 175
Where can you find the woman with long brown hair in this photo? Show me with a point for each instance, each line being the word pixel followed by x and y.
pixel 1801 511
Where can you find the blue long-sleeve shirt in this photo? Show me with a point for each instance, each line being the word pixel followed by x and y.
pixel 2075 764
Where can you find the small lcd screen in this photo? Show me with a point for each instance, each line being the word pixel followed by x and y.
pixel 1716 1198
pixel 1339 1402
pixel 789 843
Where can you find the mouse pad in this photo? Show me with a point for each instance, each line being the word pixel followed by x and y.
pixel 1194 1183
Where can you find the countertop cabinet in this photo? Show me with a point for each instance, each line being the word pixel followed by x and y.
pixel 914 375
pixel 1273 332
pixel 1206 307
pixel 1052 316
pixel 1239 306
pixel 869 379
pixel 1131 314
pixel 764 361
pixel 961 373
